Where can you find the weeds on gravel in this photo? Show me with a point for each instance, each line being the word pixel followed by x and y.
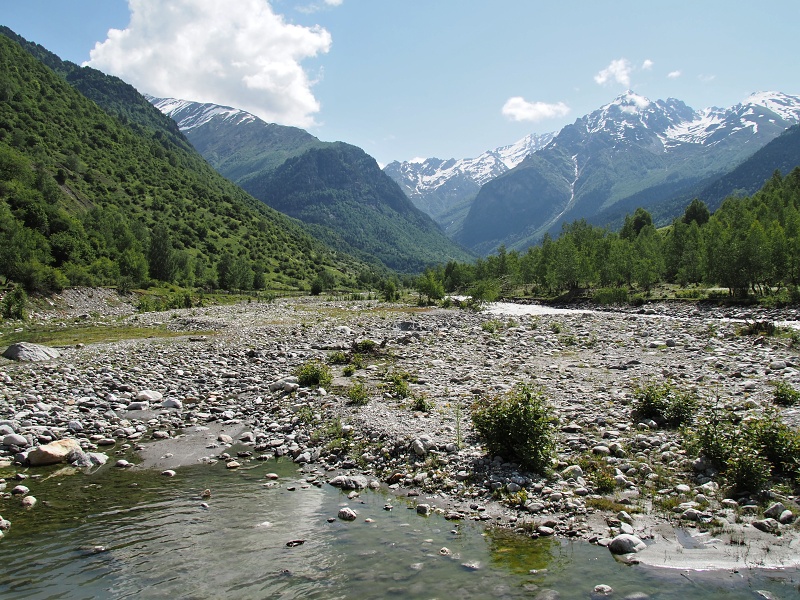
pixel 519 426
pixel 420 403
pixel 338 358
pixel 599 472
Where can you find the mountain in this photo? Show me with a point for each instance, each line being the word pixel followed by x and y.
pixel 107 191
pixel 630 151
pixel 335 188
pixel 444 189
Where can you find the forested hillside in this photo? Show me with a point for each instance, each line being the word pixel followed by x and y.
pixel 87 197
pixel 341 192
pixel 750 245
pixel 337 189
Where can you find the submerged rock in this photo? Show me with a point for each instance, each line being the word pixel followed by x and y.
pixel 626 543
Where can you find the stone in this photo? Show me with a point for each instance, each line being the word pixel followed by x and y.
pixel 14 439
pixel 786 517
pixel 172 403
pixel 20 490
pixel 423 509
pixel 602 590
pixel 29 502
pixel 626 543
pixel 767 525
pixel 347 514
pixel 149 396
pixel 27 352
pixel 350 482
pixel 572 472
pixel 775 511
pixel 53 453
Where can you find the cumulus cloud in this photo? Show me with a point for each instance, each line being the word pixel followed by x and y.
pixel 519 109
pixel 674 74
pixel 647 65
pixel 238 54
pixel 619 71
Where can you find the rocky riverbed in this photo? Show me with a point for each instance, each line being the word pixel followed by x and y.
pixel 226 390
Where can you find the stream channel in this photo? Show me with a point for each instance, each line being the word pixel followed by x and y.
pixel 134 533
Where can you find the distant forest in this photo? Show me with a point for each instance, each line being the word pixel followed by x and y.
pixel 750 245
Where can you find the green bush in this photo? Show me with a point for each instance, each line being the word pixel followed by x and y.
pixel 664 404
pixel 365 347
pixel 13 305
pixel 314 374
pixel 518 425
pixel 613 295
pixel 358 393
pixel 338 358
pixel 397 384
pixel 747 471
pixel 785 394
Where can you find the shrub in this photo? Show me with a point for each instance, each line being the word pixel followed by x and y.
pixel 766 328
pixel 314 374
pixel 747 471
pixel 358 394
pixel 13 305
pixel 349 370
pixel 338 358
pixel 491 325
pixel 785 394
pixel 613 295
pixel 664 404
pixel 397 384
pixel 518 425
pixel 365 347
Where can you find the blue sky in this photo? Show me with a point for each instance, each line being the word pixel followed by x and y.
pixel 421 78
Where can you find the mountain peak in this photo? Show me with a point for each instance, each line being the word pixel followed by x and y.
pixel 630 101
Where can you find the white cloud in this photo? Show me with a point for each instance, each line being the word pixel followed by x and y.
pixel 519 109
pixel 647 65
pixel 706 78
pixel 619 71
pixel 239 54
pixel 674 74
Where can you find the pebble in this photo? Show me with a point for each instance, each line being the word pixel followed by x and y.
pixel 91 392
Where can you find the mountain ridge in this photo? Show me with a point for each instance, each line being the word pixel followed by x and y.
pixel 334 187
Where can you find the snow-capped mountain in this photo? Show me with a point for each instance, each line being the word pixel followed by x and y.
pixel 189 115
pixel 630 152
pixel 439 186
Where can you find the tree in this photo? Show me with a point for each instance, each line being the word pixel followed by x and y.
pixel 634 224
pixel 430 286
pixel 161 255
pixel 696 212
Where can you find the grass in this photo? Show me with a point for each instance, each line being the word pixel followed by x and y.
pixel 88 334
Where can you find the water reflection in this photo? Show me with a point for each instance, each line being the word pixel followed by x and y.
pixel 128 534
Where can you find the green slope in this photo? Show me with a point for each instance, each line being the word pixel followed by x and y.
pixel 89 195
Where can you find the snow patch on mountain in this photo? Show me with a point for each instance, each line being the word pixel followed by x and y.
pixel 189 115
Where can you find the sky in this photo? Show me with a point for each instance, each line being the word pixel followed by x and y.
pixel 424 78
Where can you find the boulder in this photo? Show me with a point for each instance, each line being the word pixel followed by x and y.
pixel 27 352
pixel 52 453
pixel 626 544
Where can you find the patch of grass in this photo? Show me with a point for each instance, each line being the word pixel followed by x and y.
pixel 420 403
pixel 397 383
pixel 365 347
pixel 607 505
pixel 613 295
pixel 338 357
pixel 492 325
pixel 90 334
pixel 766 328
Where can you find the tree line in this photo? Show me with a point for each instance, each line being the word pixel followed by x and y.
pixel 750 245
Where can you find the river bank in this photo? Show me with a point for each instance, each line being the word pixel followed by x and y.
pixel 224 391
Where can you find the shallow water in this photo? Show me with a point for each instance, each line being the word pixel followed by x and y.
pixel 158 541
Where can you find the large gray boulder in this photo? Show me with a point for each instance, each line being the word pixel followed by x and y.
pixel 27 352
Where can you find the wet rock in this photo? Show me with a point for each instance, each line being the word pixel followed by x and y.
pixel 347 514
pixel 53 453
pixel 350 482
pixel 626 544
